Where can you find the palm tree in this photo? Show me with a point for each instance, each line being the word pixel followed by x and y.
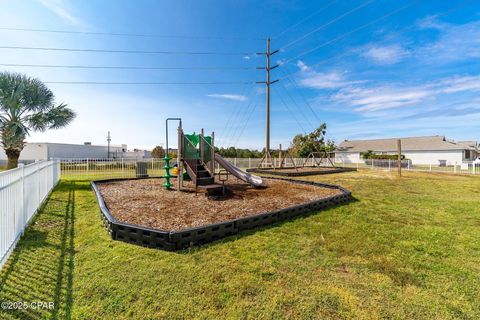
pixel 26 104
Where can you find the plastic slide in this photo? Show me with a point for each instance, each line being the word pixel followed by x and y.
pixel 254 180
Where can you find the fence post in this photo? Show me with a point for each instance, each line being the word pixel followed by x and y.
pixel 372 163
pixel 88 167
pixel 37 173
pixel 249 163
pixel 235 161
pixel 123 168
pixel 388 164
pixel 473 168
pixel 455 167
pixel 22 166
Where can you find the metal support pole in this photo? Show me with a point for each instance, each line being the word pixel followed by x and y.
pixel 108 147
pixel 212 161
pixel 267 142
pixel 267 158
pixel 202 146
pixel 399 159
pixel 179 156
pixel 167 157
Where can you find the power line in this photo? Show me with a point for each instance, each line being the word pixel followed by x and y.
pixel 298 107
pixel 129 34
pixel 242 118
pixel 287 75
pixel 148 83
pixel 345 53
pixel 130 51
pixel 350 32
pixel 295 83
pixel 292 113
pixel 245 124
pixel 304 19
pixel 291 43
pixel 233 115
pixel 122 67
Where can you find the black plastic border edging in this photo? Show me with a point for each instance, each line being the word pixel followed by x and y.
pixel 278 172
pixel 177 240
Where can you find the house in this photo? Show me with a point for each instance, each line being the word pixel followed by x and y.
pixel 420 150
pixel 48 150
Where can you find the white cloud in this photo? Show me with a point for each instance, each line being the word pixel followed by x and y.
pixel 455 42
pixel 322 80
pixel 389 54
pixel 459 84
pixel 302 66
pixel 228 96
pixel 319 80
pixel 431 22
pixel 59 9
pixel 396 96
pixel 381 98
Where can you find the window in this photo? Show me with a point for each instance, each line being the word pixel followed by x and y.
pixel 468 154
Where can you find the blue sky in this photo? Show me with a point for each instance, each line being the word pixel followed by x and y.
pixel 369 69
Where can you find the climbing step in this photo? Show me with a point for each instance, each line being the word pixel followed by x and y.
pixel 213 189
pixel 205 181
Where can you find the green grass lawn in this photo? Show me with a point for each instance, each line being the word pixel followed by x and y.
pixel 405 248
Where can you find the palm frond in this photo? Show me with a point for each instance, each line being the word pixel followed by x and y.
pixel 59 116
pixel 27 104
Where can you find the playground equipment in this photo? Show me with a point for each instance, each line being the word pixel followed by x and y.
pixel 196 155
pixel 167 158
pixel 254 180
pixel 283 159
pixel 317 158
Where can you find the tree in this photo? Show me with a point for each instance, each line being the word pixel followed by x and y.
pixel 26 104
pixel 303 145
pixel 158 152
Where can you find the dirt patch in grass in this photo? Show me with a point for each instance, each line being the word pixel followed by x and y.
pixel 145 202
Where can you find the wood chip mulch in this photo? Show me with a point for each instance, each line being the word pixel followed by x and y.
pixel 146 202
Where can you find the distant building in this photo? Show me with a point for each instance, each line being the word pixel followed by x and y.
pixel 48 150
pixel 420 150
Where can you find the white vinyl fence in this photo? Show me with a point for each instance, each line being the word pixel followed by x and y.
pixel 91 169
pixel 466 167
pixel 22 191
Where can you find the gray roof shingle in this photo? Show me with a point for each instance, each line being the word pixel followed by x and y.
pixel 411 143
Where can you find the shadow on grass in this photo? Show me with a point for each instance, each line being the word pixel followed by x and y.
pixel 41 267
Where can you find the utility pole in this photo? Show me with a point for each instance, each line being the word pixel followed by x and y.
pixel 267 157
pixel 108 145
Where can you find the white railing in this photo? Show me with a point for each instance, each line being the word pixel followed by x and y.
pixel 92 169
pixel 22 191
pixel 465 167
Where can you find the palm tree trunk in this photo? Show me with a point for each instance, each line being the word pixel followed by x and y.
pixel 12 155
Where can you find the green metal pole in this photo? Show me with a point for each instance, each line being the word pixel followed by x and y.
pixel 167 159
pixel 167 183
